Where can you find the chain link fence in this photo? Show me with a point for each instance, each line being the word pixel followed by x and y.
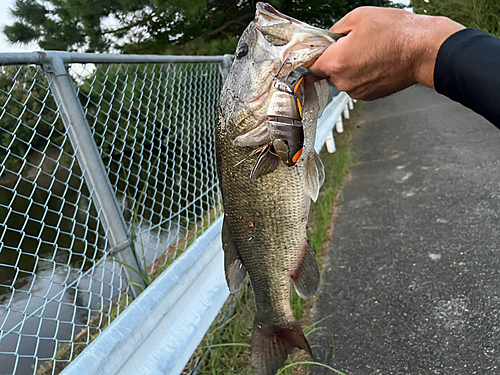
pixel 151 123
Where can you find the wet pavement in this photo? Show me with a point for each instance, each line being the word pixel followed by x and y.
pixel 411 284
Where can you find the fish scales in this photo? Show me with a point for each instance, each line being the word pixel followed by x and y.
pixel 265 218
pixel 268 220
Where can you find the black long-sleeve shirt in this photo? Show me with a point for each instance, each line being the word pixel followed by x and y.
pixel 468 71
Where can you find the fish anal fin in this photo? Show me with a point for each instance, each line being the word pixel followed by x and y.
pixel 266 163
pixel 271 344
pixel 315 175
pixel 306 278
pixel 233 267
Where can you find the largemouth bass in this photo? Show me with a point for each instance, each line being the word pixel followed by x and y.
pixel 265 218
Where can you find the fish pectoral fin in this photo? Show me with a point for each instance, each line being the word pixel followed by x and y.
pixel 306 278
pixel 271 344
pixel 315 175
pixel 266 163
pixel 233 267
pixel 257 136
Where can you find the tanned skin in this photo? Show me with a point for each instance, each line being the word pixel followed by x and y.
pixel 385 50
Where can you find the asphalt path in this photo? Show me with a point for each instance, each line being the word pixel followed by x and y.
pixel 411 284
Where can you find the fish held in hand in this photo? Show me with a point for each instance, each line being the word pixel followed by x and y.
pixel 265 218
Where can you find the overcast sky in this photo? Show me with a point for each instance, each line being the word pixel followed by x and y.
pixel 6 19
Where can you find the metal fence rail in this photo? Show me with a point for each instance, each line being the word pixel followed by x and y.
pixel 100 156
pixel 111 157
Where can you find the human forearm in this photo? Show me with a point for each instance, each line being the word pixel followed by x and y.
pixel 468 71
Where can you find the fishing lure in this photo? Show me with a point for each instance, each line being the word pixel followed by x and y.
pixel 284 122
pixel 284 116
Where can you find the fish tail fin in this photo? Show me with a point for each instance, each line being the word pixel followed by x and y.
pixel 272 343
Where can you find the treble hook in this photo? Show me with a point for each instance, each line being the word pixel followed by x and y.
pixel 287 61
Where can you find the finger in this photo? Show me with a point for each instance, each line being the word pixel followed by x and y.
pixel 344 26
pixel 347 23
pixel 321 65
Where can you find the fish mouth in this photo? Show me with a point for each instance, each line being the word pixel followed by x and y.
pixel 269 8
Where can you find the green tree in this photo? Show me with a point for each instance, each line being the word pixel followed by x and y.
pixel 155 26
pixel 28 117
pixel 480 14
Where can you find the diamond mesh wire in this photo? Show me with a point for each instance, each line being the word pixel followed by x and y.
pixel 154 128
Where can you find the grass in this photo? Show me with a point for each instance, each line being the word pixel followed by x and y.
pixel 226 347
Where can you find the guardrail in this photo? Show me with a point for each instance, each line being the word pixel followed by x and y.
pixel 106 156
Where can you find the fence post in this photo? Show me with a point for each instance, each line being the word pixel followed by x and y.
pixel 226 66
pixel 63 89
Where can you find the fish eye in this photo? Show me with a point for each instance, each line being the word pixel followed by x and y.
pixel 241 50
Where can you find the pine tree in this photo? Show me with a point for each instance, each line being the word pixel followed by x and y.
pixel 155 26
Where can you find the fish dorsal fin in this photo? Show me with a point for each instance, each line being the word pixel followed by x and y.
pixel 315 175
pixel 233 267
pixel 266 163
pixel 306 278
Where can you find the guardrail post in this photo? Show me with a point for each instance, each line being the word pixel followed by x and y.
pixel 339 125
pixel 346 111
pixel 330 143
pixel 63 89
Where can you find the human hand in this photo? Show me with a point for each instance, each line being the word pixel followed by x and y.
pixel 385 50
